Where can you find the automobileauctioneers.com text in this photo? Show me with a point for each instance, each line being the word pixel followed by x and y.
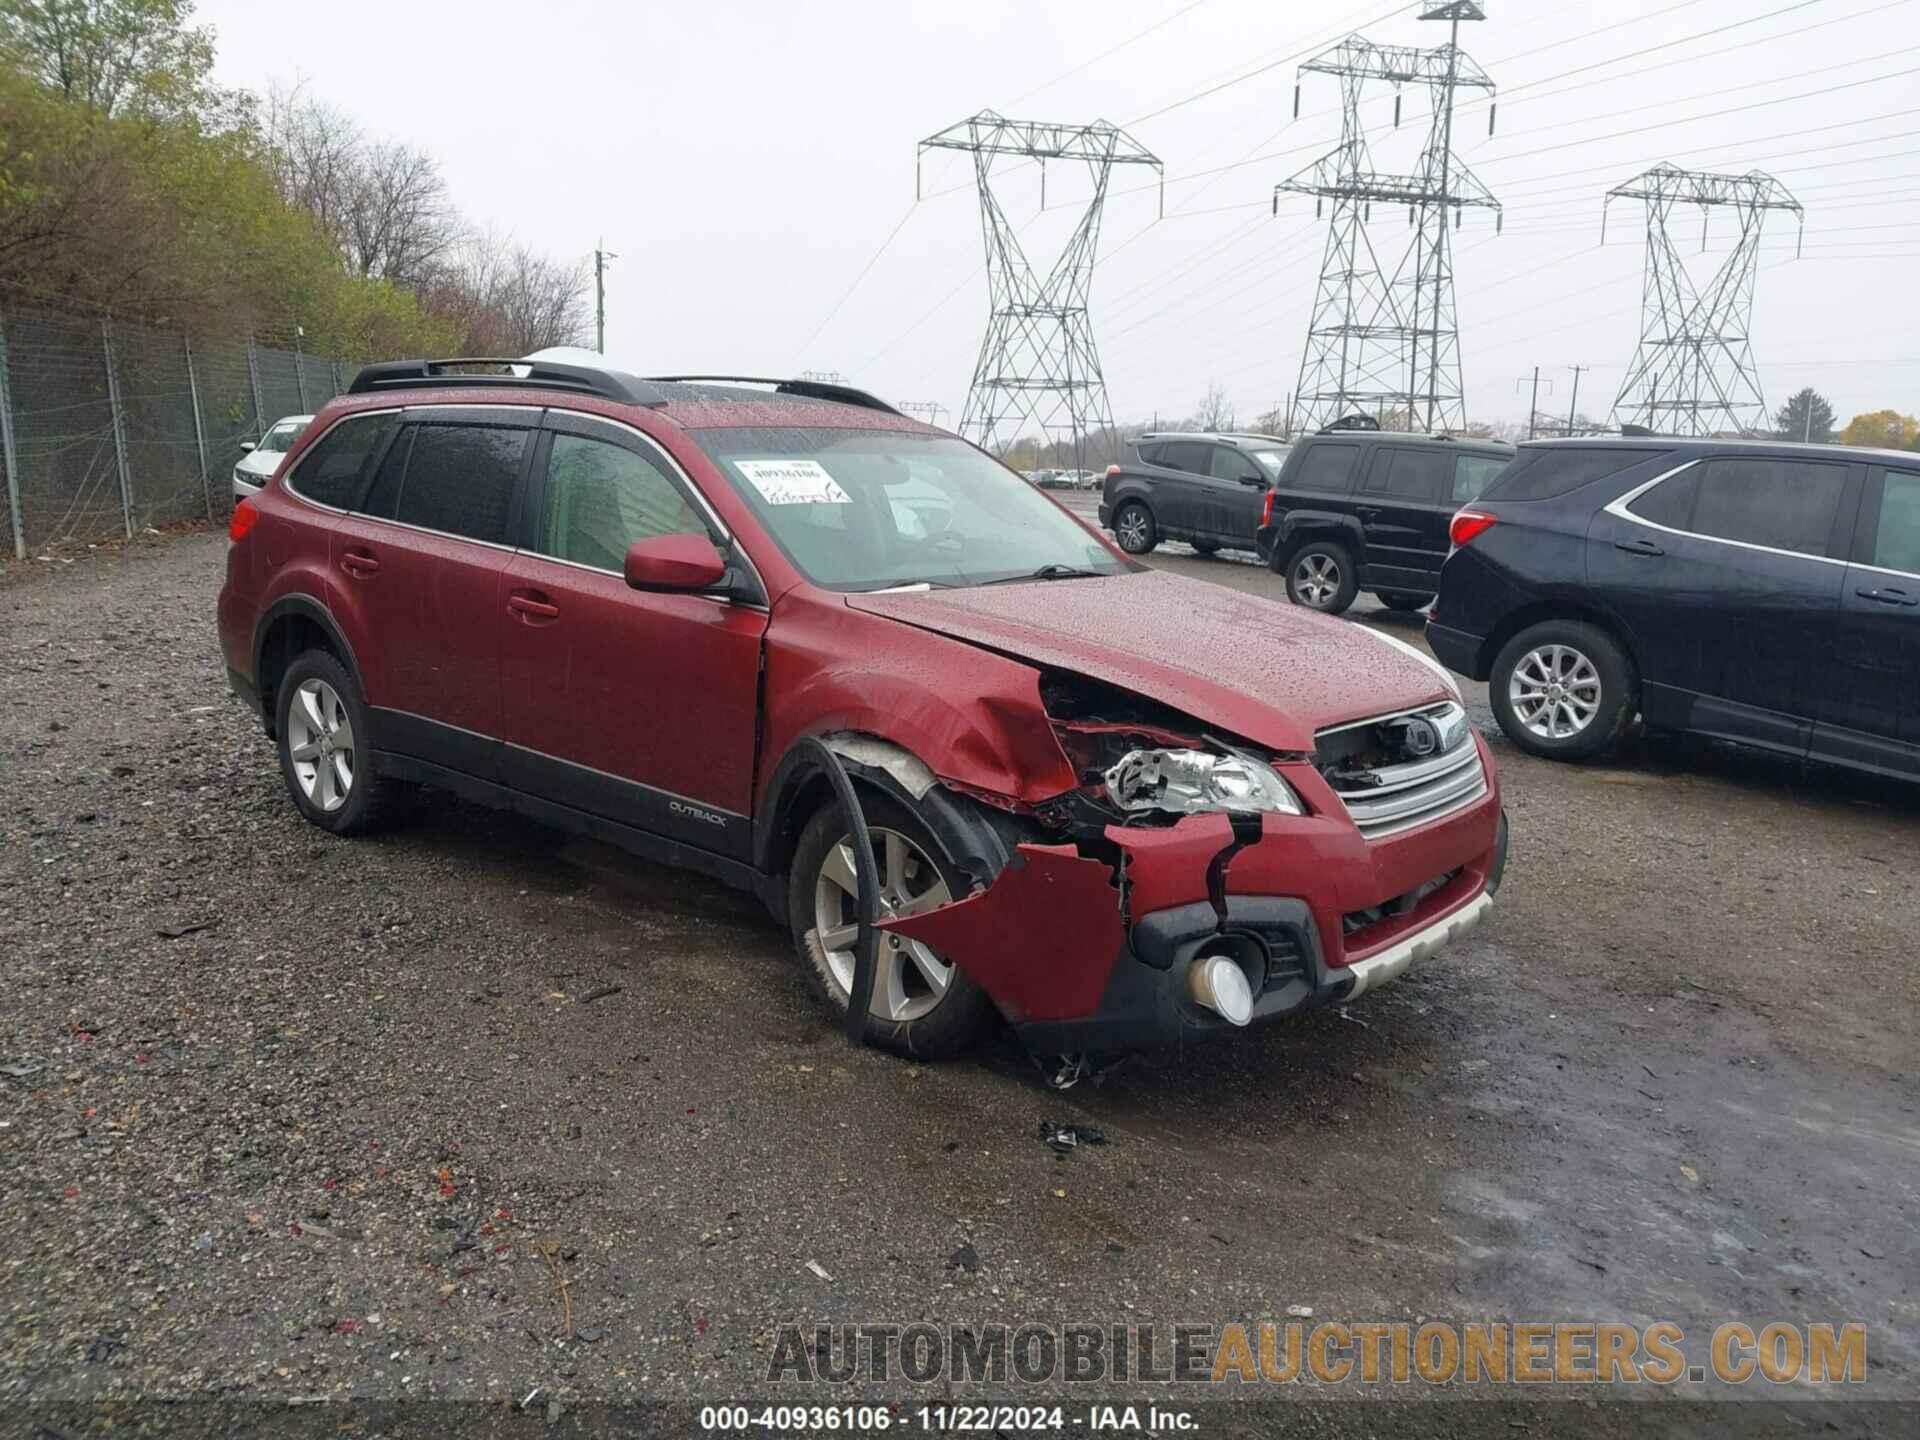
pixel 1327 1353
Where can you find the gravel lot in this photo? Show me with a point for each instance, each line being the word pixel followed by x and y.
pixel 340 1136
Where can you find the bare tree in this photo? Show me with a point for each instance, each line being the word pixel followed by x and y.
pixel 1216 410
pixel 506 299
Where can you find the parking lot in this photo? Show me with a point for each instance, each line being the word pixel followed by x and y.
pixel 289 1116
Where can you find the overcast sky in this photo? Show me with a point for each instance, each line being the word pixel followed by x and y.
pixel 746 158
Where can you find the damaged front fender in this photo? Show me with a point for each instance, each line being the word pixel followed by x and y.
pixel 1041 940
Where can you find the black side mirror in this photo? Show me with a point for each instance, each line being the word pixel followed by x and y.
pixel 1259 480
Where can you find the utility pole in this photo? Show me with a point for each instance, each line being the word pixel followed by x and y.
pixel 1533 406
pixel 1573 405
pixel 600 258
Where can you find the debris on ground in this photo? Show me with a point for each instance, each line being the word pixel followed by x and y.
pixel 1065 1139
pixel 1300 1312
pixel 818 1269
pixel 965 1258
pixel 192 927
pixel 602 993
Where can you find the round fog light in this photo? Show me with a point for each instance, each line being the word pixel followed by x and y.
pixel 1221 986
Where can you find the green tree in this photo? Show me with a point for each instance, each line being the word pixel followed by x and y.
pixel 117 57
pixel 1807 415
pixel 1887 428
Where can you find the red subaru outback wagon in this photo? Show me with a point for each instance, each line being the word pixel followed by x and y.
pixel 1117 806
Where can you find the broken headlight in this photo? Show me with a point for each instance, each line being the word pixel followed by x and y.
pixel 1189 782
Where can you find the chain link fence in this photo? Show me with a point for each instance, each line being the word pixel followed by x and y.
pixel 108 428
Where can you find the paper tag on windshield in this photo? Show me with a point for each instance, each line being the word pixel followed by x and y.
pixel 793 482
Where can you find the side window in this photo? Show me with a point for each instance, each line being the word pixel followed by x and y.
pixel 332 471
pixel 383 496
pixel 1232 464
pixel 1784 504
pixel 1328 469
pixel 1412 474
pixel 601 498
pixel 1185 455
pixel 1670 503
pixel 460 480
pixel 1896 543
pixel 1473 473
pixel 1149 454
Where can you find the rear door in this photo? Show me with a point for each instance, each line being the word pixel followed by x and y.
pixel 1727 572
pixel 1405 504
pixel 418 569
pixel 1873 716
pixel 1237 491
pixel 1181 487
pixel 639 708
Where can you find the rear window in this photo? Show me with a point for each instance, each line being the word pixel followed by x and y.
pixel 1328 469
pixel 331 471
pixel 1541 472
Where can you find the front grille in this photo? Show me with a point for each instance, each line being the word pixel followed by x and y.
pixel 1384 791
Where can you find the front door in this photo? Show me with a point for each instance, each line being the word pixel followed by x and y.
pixel 1727 574
pixel 1873 716
pixel 1237 493
pixel 638 708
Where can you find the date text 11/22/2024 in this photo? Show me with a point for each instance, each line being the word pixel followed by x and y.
pixel 986 1419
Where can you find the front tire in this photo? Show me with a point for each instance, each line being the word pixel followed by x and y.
pixel 1321 576
pixel 1564 690
pixel 1133 527
pixel 923 1005
pixel 324 742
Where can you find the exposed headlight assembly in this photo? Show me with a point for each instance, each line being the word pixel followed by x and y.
pixel 1192 782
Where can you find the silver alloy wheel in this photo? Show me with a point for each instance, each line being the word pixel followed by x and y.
pixel 1554 691
pixel 910 978
pixel 1316 579
pixel 320 744
pixel 1133 530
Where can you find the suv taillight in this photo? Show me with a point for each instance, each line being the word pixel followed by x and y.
pixel 1112 470
pixel 1467 524
pixel 1266 510
pixel 242 523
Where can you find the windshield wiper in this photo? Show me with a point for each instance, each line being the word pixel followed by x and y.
pixel 1049 572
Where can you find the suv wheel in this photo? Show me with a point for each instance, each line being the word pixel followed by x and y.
pixel 1133 527
pixel 325 755
pixel 922 1004
pixel 1564 690
pixel 1320 576
pixel 1405 601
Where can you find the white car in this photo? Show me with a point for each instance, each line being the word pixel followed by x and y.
pixel 263 459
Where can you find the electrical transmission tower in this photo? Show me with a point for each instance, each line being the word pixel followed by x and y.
pixel 931 409
pixel 1693 372
pixel 1037 363
pixel 1379 340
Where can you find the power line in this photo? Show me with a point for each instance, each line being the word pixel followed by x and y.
pixel 854 284
pixel 1105 54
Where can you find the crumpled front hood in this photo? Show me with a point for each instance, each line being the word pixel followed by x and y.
pixel 1271 672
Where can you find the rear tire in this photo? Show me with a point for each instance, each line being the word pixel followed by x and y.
pixel 1405 601
pixel 1564 690
pixel 325 744
pixel 1321 576
pixel 928 1020
pixel 1133 527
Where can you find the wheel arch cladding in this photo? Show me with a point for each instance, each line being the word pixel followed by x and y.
pixel 1300 526
pixel 1571 610
pixel 292 625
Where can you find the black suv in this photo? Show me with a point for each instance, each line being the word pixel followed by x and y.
pixel 1760 592
pixel 1205 488
pixel 1357 510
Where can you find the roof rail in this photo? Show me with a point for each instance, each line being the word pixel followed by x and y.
pixel 806 389
pixel 539 375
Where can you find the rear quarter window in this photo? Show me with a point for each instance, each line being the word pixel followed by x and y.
pixel 1544 471
pixel 333 471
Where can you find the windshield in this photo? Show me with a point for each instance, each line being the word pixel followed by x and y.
pixel 276 440
pixel 1270 461
pixel 871 509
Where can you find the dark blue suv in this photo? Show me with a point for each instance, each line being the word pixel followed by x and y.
pixel 1759 592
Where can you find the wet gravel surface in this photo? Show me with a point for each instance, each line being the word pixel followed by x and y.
pixel 288 1117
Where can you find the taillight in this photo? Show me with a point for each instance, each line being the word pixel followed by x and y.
pixel 1112 470
pixel 1266 510
pixel 1467 524
pixel 243 521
